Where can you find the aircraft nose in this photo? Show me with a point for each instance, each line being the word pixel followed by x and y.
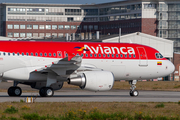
pixel 171 67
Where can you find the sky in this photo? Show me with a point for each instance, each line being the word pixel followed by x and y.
pixel 59 1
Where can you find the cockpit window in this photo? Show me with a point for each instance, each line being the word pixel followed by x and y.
pixel 158 55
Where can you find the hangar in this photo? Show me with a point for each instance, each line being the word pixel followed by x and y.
pixel 164 46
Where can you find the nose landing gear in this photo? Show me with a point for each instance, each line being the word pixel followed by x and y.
pixel 133 92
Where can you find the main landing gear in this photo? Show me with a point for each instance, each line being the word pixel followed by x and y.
pixel 46 92
pixel 14 90
pixel 133 92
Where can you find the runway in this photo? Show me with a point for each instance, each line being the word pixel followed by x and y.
pixel 87 96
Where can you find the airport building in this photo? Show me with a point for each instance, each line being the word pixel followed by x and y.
pixel 159 18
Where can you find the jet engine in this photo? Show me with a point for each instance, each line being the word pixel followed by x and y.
pixel 93 80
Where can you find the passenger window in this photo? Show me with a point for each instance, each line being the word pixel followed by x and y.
pixel 59 54
pixel 9 54
pixel 134 56
pixel 112 55
pixel 104 55
pixel 0 53
pixel 4 53
pixel 129 56
pixel 40 54
pixel 77 54
pixel 90 55
pixel 13 53
pixel 99 55
pixel 125 56
pixel 49 54
pixel 82 55
pixel 121 55
pixel 86 55
pixel 36 54
pixel 66 55
pixel 22 54
pixel 31 54
pixel 117 55
pixel 54 54
pixel 18 54
pixel 45 54
pixel 95 55
pixel 27 54
pixel 108 55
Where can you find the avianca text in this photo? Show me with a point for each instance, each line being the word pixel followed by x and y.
pixel 109 50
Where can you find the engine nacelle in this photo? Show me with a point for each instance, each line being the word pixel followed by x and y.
pixel 93 80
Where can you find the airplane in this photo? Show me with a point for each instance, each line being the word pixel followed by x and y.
pixel 91 66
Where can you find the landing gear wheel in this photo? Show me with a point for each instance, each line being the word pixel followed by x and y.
pixel 11 91
pixel 42 92
pixel 46 92
pixel 135 93
pixel 49 92
pixel 17 91
pixel 131 93
pixel 14 91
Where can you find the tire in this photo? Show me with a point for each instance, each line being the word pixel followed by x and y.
pixel 17 91
pixel 49 92
pixel 131 93
pixel 11 91
pixel 14 91
pixel 46 92
pixel 135 93
pixel 42 92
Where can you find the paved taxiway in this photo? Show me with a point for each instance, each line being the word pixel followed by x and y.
pixel 78 95
pixel 87 96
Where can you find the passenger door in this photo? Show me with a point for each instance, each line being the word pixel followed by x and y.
pixel 143 60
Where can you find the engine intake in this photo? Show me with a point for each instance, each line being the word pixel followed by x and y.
pixel 93 80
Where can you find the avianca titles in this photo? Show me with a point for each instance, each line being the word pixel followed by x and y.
pixel 93 66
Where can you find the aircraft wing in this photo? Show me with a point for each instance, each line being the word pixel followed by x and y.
pixel 63 67
pixel 66 66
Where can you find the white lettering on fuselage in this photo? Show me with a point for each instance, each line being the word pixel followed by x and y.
pixel 109 50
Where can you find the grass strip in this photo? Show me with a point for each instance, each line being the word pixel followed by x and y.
pixel 89 111
pixel 93 115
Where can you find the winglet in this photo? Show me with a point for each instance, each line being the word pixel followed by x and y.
pixel 70 55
